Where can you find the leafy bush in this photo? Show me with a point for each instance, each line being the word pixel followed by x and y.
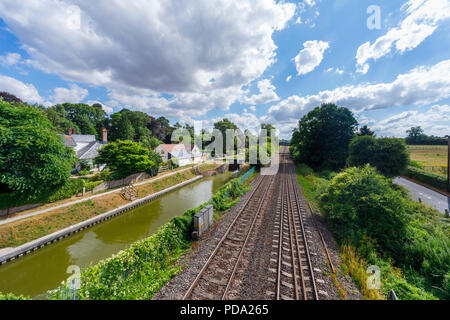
pixel 85 165
pixel 389 155
pixel 33 158
pixel 10 296
pixel 69 189
pixel 89 186
pixel 387 228
pixel 359 202
pixel 83 173
pixel 416 164
pixel 126 158
pixel 432 179
pixel 227 196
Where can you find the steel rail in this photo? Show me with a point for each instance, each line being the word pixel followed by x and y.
pixel 258 211
pixel 305 297
pixel 308 256
pixel 222 240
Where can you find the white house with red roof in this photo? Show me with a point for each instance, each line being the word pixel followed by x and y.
pixel 179 151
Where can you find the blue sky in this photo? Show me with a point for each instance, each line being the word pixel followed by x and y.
pixel 251 61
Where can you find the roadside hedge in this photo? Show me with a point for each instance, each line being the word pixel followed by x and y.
pixel 430 178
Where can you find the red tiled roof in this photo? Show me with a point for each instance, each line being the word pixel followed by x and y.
pixel 173 147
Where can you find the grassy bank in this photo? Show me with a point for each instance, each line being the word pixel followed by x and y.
pixel 376 223
pixel 138 272
pixel 28 229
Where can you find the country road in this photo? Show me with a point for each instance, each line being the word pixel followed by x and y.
pixel 431 197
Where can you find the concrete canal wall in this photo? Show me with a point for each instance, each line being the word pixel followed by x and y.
pixel 58 235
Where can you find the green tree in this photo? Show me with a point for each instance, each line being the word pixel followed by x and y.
pixel 125 158
pixel 323 136
pixel 57 117
pixel 89 120
pixel 415 135
pixel 365 131
pixel 223 126
pixel 121 128
pixel 389 155
pixel 154 143
pixel 33 158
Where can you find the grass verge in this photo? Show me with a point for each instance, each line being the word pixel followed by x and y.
pixel 28 229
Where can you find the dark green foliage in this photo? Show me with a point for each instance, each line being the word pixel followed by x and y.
pixel 67 190
pixel 227 196
pixel 323 136
pixel 360 202
pixel 85 165
pixel 33 158
pixel 365 131
pixel 10 98
pixel 430 178
pixel 363 208
pixel 389 155
pixel 10 296
pixel 88 119
pixel 416 136
pixel 57 116
pixel 121 128
pixel 131 125
pixel 223 126
pixel 127 157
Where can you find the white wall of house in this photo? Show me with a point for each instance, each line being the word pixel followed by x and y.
pixel 164 154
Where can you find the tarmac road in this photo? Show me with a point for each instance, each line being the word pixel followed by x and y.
pixel 431 197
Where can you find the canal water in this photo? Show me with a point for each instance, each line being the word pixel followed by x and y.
pixel 45 269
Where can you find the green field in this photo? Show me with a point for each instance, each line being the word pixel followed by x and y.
pixel 433 158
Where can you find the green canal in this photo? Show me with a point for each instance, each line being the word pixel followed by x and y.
pixel 45 269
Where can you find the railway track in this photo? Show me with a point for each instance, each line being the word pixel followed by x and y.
pixel 215 279
pixel 291 270
pixel 290 273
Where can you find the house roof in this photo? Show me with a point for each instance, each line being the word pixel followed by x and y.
pixel 173 147
pixel 68 141
pixel 90 151
pixel 83 138
pixel 85 146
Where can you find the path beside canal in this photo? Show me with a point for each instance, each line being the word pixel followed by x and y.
pixel 71 203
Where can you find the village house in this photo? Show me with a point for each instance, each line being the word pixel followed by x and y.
pixel 179 151
pixel 85 146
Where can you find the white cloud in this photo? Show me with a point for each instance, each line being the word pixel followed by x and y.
pixel 337 70
pixel 266 93
pixel 420 86
pixel 24 91
pixel 422 19
pixel 253 108
pixel 75 94
pixel 198 52
pixel 288 78
pixel 311 56
pixel 10 59
pixel 434 121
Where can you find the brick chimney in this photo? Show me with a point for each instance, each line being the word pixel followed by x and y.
pixel 104 136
